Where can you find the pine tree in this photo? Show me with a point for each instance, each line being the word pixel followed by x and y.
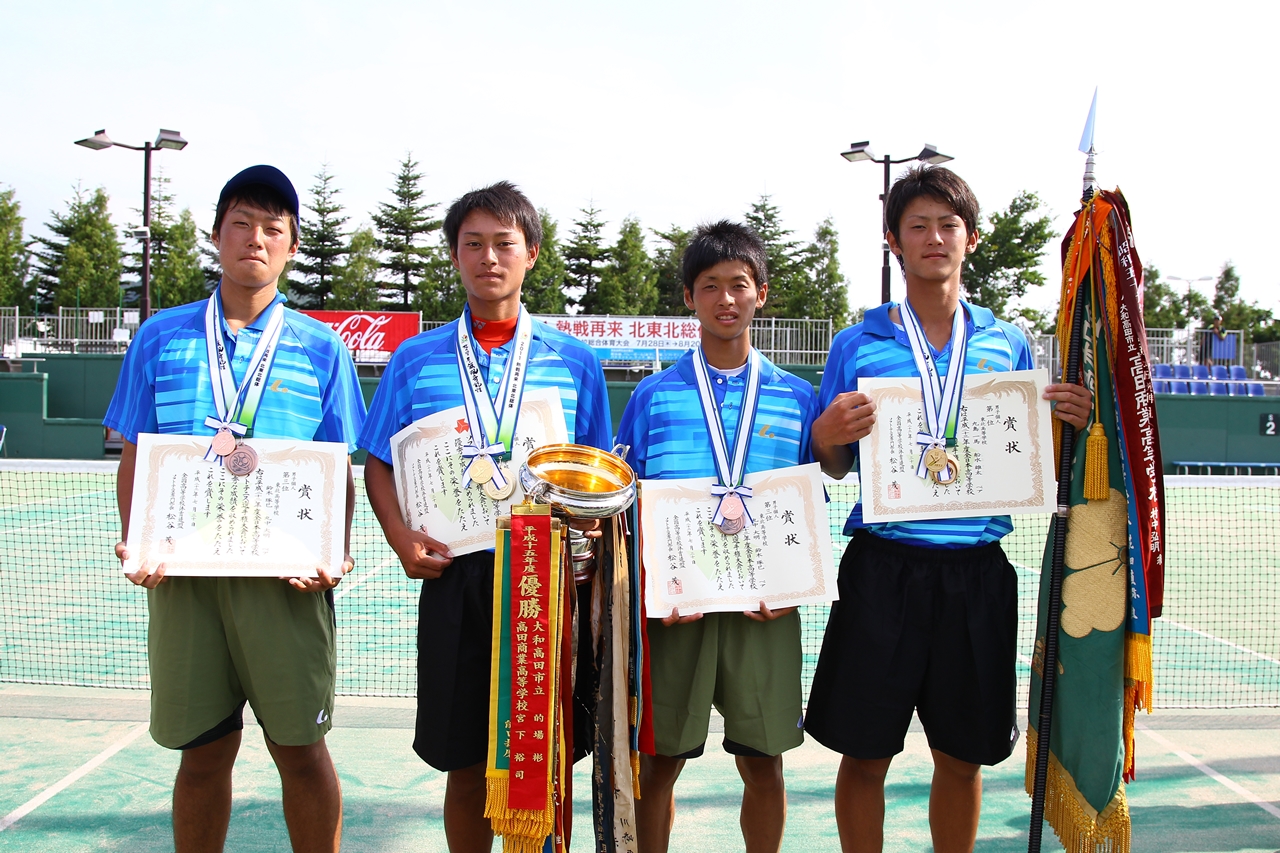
pixel 210 262
pixel 176 273
pixel 80 264
pixel 629 284
pixel 669 285
pixel 322 245
pixel 788 291
pixel 543 290
pixel 16 288
pixel 403 228
pixel 827 285
pixel 355 283
pixel 585 259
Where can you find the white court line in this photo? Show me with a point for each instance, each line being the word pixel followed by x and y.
pixel 70 779
pixel 343 589
pixel 1210 772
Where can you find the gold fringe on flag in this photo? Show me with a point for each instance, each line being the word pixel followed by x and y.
pixel 1078 827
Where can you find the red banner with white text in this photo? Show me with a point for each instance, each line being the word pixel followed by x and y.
pixel 371 336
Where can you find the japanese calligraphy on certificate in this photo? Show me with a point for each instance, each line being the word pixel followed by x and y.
pixel 285 518
pixel 1003 444
pixel 783 558
pixel 428 462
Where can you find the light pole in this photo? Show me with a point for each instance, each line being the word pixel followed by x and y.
pixel 862 151
pixel 170 139
pixel 1190 283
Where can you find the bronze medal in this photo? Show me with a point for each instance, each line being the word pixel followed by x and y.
pixel 731 507
pixel 242 461
pixel 481 470
pixel 223 442
pixel 935 459
pixel 731 526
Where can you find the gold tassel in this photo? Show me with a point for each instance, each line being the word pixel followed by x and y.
pixel 1097 477
pixel 635 773
pixel 1076 828
pixel 1057 439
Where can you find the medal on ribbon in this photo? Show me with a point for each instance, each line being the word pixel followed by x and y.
pixel 237 406
pixel 941 397
pixel 491 432
pixel 732 515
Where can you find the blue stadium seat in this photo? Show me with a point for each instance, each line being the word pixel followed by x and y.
pixel 1257 390
pixel 1160 386
pixel 1220 372
pixel 1181 371
pixel 1178 386
pixel 1199 389
pixel 1238 373
pixel 1162 371
pixel 1201 372
pixel 1218 389
pixel 1239 389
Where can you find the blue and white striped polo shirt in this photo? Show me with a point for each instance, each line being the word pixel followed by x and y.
pixel 422 379
pixel 664 425
pixel 877 347
pixel 312 395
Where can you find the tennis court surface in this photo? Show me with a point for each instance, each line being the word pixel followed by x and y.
pixel 80 773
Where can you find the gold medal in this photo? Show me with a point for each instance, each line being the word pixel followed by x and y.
pixel 481 470
pixel 223 442
pixel 949 473
pixel 731 526
pixel 935 459
pixel 492 491
pixel 242 461
pixel 731 507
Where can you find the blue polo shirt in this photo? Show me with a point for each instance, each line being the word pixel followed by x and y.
pixel 164 385
pixel 422 379
pixel 664 424
pixel 878 347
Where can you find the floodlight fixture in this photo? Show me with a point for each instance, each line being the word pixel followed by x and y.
pixel 96 142
pixel 929 154
pixel 173 140
pixel 859 151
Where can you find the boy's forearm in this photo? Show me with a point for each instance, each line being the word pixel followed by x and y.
pixel 836 459
pixel 380 486
pixel 351 505
pixel 124 486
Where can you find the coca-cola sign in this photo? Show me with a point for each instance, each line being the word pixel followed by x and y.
pixel 371 336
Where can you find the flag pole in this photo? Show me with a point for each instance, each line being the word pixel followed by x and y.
pixel 1049 675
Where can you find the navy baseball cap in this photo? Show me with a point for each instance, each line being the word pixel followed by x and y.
pixel 268 176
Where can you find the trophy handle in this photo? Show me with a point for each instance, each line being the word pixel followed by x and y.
pixel 621 450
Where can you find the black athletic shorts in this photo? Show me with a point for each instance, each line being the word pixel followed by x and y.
pixel 930 630
pixel 455 636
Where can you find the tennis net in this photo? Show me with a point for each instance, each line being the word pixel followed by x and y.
pixel 68 617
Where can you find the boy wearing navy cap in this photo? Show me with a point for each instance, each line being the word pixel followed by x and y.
pixel 216 642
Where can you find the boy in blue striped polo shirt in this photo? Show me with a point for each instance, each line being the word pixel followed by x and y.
pixel 494 235
pixel 746 664
pixel 926 620
pixel 215 642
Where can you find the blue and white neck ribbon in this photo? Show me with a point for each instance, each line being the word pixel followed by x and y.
pixel 491 434
pixel 236 407
pixel 941 397
pixel 729 471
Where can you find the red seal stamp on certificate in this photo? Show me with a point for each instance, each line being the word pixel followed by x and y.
pixel 242 461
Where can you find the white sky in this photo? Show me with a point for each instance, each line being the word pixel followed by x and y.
pixel 674 112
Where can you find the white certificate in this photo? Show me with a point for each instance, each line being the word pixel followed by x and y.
pixel 1004 444
pixel 285 519
pixel 428 462
pixel 783 559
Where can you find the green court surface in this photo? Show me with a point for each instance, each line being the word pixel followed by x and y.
pixel 73 682
pixel 1208 781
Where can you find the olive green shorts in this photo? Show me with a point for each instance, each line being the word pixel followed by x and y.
pixel 215 642
pixel 750 672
